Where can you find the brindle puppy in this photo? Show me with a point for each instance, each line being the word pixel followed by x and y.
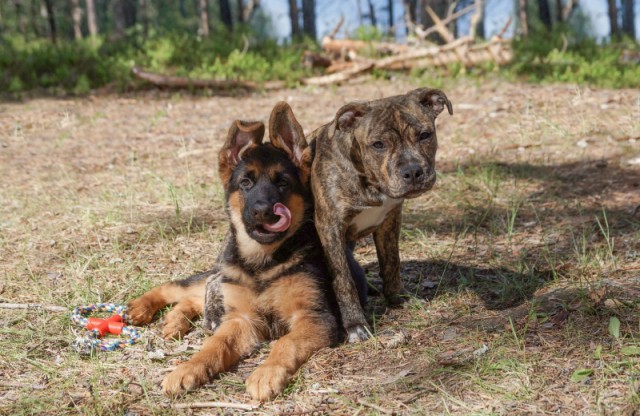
pixel 366 162
pixel 274 281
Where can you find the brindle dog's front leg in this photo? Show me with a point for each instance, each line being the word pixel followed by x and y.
pixel 334 244
pixel 386 238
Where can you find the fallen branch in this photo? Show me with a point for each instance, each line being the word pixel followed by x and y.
pixel 182 82
pixel 356 69
pixel 21 385
pixel 48 308
pixel 206 405
pixel 342 47
pixel 440 26
pixel 423 33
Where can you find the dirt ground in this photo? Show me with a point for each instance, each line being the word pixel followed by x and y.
pixel 524 261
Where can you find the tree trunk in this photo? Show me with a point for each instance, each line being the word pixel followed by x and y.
pixel 239 15
pixel 53 33
pixel 20 24
pixel 203 27
pixel 143 6
pixel 559 11
pixel 309 17
pixel 91 18
pixel 76 15
pixel 372 14
pixel 524 23
pixel 183 9
pixel 225 14
pixel 124 15
pixel 628 26
pixel 293 15
pixel 477 20
pixel 440 7
pixel 613 20
pixel 409 7
pixel 391 17
pixel 248 9
pixel 35 18
pixel 545 14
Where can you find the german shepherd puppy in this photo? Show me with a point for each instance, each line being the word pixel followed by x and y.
pixel 275 283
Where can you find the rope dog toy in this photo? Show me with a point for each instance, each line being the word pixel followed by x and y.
pixel 98 327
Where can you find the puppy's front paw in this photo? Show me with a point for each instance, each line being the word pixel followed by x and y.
pixel 188 376
pixel 357 333
pixel 140 311
pixel 267 381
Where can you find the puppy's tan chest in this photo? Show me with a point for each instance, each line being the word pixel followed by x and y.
pixel 370 218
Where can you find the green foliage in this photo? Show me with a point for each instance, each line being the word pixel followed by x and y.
pixel 368 33
pixel 77 67
pixel 564 56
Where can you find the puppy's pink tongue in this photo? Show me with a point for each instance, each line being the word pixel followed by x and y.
pixel 283 223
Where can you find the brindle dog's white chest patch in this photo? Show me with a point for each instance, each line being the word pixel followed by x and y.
pixel 373 216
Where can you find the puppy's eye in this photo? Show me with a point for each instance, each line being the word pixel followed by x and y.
pixel 246 183
pixel 282 184
pixel 378 145
pixel 425 136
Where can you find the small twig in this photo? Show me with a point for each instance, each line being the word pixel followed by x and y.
pixel 49 308
pixel 504 28
pixel 337 28
pixel 375 407
pixel 204 405
pixel 18 385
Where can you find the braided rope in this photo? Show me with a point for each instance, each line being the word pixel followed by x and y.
pixel 91 341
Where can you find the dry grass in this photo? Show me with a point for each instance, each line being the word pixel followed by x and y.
pixel 529 245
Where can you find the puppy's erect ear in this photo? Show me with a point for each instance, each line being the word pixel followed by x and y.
pixel 433 99
pixel 348 116
pixel 286 133
pixel 241 136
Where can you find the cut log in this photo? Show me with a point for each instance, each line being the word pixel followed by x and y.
pixel 185 83
pixel 338 77
pixel 341 47
pixel 182 82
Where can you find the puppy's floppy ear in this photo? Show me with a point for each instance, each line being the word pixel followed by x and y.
pixel 241 136
pixel 348 116
pixel 433 99
pixel 286 133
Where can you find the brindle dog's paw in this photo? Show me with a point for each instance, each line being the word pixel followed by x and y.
pixel 140 311
pixel 267 381
pixel 176 325
pixel 357 333
pixel 395 300
pixel 188 376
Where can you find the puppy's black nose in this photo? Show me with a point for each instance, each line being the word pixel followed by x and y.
pixel 261 210
pixel 411 174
